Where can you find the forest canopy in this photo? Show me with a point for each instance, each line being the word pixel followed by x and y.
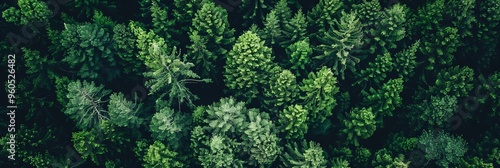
pixel 252 83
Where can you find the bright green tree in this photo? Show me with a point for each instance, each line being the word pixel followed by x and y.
pixel 359 124
pixel 384 159
pixel 248 67
pixel 158 155
pixel 282 91
pixel 339 43
pixel 294 119
pixel 319 90
pixel 29 11
pixel 162 23
pixel 300 56
pixel 435 112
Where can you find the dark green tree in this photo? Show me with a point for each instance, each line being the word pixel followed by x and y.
pixel 384 100
pixel 254 12
pixel 211 39
pixel 123 112
pixel 339 43
pixel 294 30
pixel 170 126
pixel 303 155
pixel 442 148
pixel 89 50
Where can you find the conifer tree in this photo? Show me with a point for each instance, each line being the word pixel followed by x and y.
pixel 339 43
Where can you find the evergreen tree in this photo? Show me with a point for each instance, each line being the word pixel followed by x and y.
pixel 319 90
pixel 339 44
pixel 85 105
pixel 248 67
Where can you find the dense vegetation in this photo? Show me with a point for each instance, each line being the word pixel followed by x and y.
pixel 261 83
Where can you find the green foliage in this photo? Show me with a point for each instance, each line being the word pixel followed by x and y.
pixel 435 112
pixel 323 15
pixel 85 105
pixel 340 163
pixel 30 11
pixel 169 74
pixel 159 155
pixel 384 100
pixel 494 92
pixel 88 145
pixel 282 92
pixel 338 44
pixel 211 38
pixel 253 11
pixel 260 139
pixel 440 47
pixel 378 69
pixel 283 12
pixel 221 153
pixel 405 61
pixel 169 126
pixel 248 66
pixel 360 123
pixel 319 98
pixel 398 143
pixel 226 116
pixel 87 7
pixel 442 148
pixel 475 162
pixel 89 49
pixel 362 157
pixel 163 25
pixel 36 143
pixel 454 81
pixel 272 30
pixel 124 44
pixel 389 28
pixel 123 112
pixel 383 159
pixel 294 119
pixel 300 56
pixel 294 30
pixel 303 155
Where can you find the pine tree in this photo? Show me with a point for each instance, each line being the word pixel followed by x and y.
pixel 85 105
pixel 338 44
